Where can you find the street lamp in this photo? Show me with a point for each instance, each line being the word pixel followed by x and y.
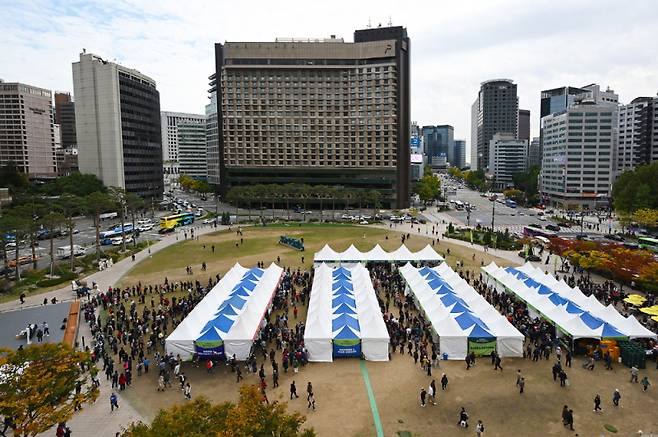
pixel 468 217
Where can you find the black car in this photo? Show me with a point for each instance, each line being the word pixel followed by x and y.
pixel 535 225
pixel 552 227
pixel 614 237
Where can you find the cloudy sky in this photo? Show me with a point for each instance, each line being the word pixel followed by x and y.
pixel 455 45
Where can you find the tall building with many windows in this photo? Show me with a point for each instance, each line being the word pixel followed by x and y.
pixel 27 133
pixel 65 117
pixel 637 134
pixel 438 143
pixel 578 154
pixel 192 149
pixel 117 121
pixel 507 156
pixel 524 124
pixel 459 154
pixel 317 112
pixel 496 110
pixel 170 143
pixel 213 129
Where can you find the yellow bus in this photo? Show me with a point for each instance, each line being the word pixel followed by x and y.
pixel 168 223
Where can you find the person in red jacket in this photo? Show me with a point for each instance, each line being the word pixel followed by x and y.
pixel 122 381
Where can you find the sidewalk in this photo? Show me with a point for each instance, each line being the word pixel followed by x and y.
pixel 107 277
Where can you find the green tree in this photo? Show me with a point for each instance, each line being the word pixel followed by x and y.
pixel 75 184
pixel 528 182
pixel 428 188
pixel 52 221
pixel 134 205
pixel 70 206
pixel 250 417
pixel 37 386
pixel 637 189
pixel 96 204
pixel 118 197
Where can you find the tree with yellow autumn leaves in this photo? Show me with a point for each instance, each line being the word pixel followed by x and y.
pixel 37 386
pixel 250 417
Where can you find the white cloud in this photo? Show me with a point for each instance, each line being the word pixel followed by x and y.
pixel 455 45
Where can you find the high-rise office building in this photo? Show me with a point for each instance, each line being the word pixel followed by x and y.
pixel 438 142
pixel 192 149
pixel 507 156
pixel 27 134
pixel 524 124
pixel 117 121
pixel 170 146
pixel 213 129
pixel 459 154
pixel 65 117
pixel 578 152
pixel 496 110
pixel 534 153
pixel 636 134
pixel 316 112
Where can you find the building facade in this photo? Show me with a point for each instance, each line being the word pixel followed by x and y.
pixel 27 133
pixel 496 110
pixel 170 146
pixel 65 117
pixel 438 143
pixel 507 156
pixel 117 121
pixel 578 153
pixel 524 124
pixel 213 128
pixel 459 154
pixel 316 112
pixel 636 134
pixel 192 149
pixel 534 153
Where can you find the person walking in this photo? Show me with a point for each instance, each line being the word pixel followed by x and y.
pixel 444 382
pixel 616 397
pixel 114 402
pixel 597 403
pixel 634 374
pixel 563 378
pixel 293 390
pixel 423 395
pixel 463 418
pixel 479 429
pixel 187 391
pixel 565 413
pixel 239 374
pixel 570 419
pixel 567 359
pixel 521 385
pixel 645 383
pixel 498 366
pixel 275 377
pixel 309 390
pixel 431 391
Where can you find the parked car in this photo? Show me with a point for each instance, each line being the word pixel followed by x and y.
pixel 542 218
pixel 117 241
pixel 614 237
pixel 552 227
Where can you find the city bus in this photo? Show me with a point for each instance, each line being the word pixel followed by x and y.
pixel 648 243
pixel 168 223
pixel 530 231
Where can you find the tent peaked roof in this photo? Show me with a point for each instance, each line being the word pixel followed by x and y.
pixel 326 254
pixel 343 308
pixel 346 333
pixel 479 332
pixel 352 254
pixel 344 320
pixel 402 254
pixel 428 253
pixel 377 254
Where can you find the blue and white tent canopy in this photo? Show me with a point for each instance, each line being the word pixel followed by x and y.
pixel 229 317
pixel 568 308
pixel 343 310
pixel 458 313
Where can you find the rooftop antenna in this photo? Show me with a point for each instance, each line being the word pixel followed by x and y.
pixel 390 23
pixel 369 23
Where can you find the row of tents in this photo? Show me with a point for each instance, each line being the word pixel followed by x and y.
pixel 463 322
pixel 376 254
pixel 229 317
pixel 573 313
pixel 344 318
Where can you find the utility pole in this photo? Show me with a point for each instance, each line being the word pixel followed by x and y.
pixel 493 214
pixel 468 217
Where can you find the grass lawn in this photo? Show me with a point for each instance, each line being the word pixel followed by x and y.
pixel 261 244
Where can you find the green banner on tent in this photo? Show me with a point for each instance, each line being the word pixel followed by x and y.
pixel 481 346
pixel 347 342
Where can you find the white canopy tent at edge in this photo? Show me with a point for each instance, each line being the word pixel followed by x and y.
pixel 241 334
pixel 318 331
pixel 377 253
pixel 628 325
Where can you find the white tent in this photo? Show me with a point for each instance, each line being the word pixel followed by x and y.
pixel 457 312
pixel 228 319
pixel 377 253
pixel 568 308
pixel 343 307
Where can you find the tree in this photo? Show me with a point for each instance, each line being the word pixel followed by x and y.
pixel 134 204
pixel 70 206
pixel 250 417
pixel 95 204
pixel 52 221
pixel 37 386
pixel 527 182
pixel 646 217
pixel 118 197
pixel 12 178
pixel 514 194
pixel 75 184
pixel 19 228
pixel 428 188
pixel 637 189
